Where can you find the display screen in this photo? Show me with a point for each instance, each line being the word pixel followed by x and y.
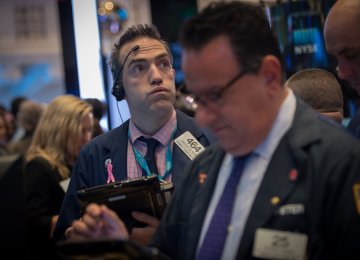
pixel 306 48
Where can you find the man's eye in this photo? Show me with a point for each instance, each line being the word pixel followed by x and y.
pixel 165 64
pixel 138 68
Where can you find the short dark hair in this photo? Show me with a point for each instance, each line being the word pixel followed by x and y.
pixel 98 107
pixel 246 25
pixel 132 33
pixel 318 88
pixel 15 105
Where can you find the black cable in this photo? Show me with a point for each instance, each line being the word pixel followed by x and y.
pixel 117 105
pixel 117 74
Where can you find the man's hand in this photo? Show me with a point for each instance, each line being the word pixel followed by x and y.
pixel 69 232
pixel 99 222
pixel 144 235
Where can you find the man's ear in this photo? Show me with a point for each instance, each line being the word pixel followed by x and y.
pixel 271 71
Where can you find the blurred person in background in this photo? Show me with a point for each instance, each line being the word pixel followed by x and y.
pixel 2 107
pixel 16 132
pixel 63 129
pixel 4 132
pixel 320 90
pixel 342 39
pixel 98 112
pixel 28 118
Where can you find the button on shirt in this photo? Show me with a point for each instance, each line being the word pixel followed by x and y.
pixel 251 179
pixel 163 136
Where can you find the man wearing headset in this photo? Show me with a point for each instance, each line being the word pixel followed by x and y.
pixel 141 63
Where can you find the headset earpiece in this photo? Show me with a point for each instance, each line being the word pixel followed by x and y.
pixel 118 89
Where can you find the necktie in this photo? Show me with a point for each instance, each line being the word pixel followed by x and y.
pixel 215 236
pixel 150 159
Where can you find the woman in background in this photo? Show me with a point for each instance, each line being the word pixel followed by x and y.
pixel 65 126
pixel 28 117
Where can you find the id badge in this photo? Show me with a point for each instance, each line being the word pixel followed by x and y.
pixel 274 244
pixel 189 145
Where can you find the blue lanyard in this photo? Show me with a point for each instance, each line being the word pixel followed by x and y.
pixel 142 162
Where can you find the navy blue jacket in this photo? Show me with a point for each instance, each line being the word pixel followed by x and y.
pixel 90 171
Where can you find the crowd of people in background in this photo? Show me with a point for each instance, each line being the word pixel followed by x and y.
pixel 18 123
pixel 48 137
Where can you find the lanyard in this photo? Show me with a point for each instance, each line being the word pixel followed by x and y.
pixel 168 158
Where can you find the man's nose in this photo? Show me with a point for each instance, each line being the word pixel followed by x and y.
pixel 155 75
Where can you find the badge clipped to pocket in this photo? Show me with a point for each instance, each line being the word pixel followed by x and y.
pixel 189 145
pixel 275 244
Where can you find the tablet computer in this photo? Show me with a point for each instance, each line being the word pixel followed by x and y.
pixel 147 194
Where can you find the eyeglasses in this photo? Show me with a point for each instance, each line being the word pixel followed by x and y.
pixel 215 97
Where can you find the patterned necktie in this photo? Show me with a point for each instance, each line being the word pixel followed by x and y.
pixel 215 236
pixel 151 144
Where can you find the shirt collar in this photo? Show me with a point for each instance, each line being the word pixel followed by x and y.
pixel 280 126
pixel 163 135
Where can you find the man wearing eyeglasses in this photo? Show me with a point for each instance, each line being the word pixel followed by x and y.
pixel 280 183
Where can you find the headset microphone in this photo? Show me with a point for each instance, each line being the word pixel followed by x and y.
pixel 118 88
